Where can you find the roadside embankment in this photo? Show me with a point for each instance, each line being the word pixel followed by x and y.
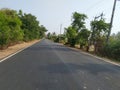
pixel 12 49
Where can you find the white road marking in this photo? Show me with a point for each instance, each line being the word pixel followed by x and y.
pixel 4 59
pixel 10 55
pixel 108 78
pixel 85 87
pixel 97 57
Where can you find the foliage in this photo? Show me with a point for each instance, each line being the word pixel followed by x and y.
pixel 82 37
pixel 99 29
pixel 99 33
pixel 49 35
pixel 71 35
pixel 112 50
pixel 16 27
pixel 31 27
pixel 75 32
pixel 53 36
pixel 10 31
pixel 42 31
pixel 78 21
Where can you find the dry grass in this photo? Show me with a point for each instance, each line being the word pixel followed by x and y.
pixel 15 48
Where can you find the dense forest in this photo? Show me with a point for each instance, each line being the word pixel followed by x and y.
pixel 16 26
pixel 78 34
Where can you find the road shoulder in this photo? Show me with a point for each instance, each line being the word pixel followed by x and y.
pixel 10 51
pixel 95 56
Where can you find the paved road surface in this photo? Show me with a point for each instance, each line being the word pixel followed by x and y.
pixel 50 66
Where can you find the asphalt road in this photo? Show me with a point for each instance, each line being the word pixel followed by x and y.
pixel 50 66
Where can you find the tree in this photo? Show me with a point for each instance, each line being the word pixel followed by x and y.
pixel 73 32
pixel 16 27
pixel 78 21
pixel 118 36
pixel 42 31
pixel 82 37
pixel 10 31
pixel 71 35
pixel 112 50
pixel 99 32
pixel 79 25
pixel 31 27
pixel 49 35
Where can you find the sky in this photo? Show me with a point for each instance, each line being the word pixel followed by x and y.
pixel 53 13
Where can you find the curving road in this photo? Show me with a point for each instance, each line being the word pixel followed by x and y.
pixel 50 66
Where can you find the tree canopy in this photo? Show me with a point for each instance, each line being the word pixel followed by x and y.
pixel 15 27
pixel 75 32
pixel 10 31
pixel 78 21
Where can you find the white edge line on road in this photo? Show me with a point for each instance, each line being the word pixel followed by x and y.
pixel 104 59
pixel 4 59
pixel 97 57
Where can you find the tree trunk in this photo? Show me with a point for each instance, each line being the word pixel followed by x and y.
pixel 87 48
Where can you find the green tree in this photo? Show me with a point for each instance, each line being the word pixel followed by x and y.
pixel 42 31
pixel 30 26
pixel 112 50
pixel 79 24
pixel 71 35
pixel 53 36
pixel 73 32
pixel 99 31
pixel 82 37
pixel 78 21
pixel 10 31
pixel 117 37
pixel 49 35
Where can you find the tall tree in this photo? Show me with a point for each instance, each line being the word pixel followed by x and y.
pixel 42 31
pixel 78 21
pixel 71 35
pixel 31 27
pixel 112 50
pixel 99 32
pixel 82 37
pixel 49 35
pixel 10 31
pixel 73 31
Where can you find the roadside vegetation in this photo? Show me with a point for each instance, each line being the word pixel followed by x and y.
pixel 93 40
pixel 16 27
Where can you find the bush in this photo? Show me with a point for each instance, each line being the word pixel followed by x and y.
pixel 10 31
pixel 112 50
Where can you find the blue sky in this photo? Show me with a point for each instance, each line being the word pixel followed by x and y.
pixel 52 13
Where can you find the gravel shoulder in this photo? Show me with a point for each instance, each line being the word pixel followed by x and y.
pixel 12 49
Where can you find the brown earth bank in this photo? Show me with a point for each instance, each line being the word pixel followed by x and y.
pixel 12 49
